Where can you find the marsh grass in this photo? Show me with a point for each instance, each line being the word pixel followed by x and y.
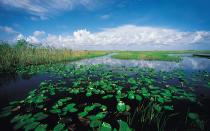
pixel 23 54
pixel 154 55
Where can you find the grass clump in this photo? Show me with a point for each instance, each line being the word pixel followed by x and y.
pixel 24 54
pixel 155 55
pixel 146 55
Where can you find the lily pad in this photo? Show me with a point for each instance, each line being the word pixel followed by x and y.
pixel 105 127
pixel 121 106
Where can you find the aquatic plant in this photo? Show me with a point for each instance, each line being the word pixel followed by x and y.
pixel 23 54
pixel 96 97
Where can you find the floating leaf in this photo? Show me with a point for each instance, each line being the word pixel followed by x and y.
pixel 89 108
pixel 41 127
pixel 193 116
pixel 70 108
pixel 107 96
pixel 209 84
pixel 123 126
pixel 103 107
pixel 128 107
pixel 95 123
pixel 139 98
pixel 59 127
pixel 40 116
pixel 157 108
pixel 82 114
pixel 55 111
pixel 105 127
pixel 131 95
pixel 168 108
pixel 31 126
pixel 160 99
pixel 100 115
pixel 88 94
pixel 121 106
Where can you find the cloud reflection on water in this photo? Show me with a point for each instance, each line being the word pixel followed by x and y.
pixel 188 63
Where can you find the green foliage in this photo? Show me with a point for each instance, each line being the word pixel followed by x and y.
pixel 105 127
pixel 194 117
pixel 123 126
pixel 41 127
pixel 28 121
pixel 146 98
pixel 60 127
pixel 154 55
pixel 24 54
pixel 121 106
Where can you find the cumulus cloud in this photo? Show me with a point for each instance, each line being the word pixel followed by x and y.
pixel 38 33
pixel 43 9
pixel 122 37
pixel 36 38
pixel 8 30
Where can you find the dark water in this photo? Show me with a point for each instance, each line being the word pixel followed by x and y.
pixel 18 87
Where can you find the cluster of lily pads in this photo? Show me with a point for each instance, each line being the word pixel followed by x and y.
pixel 106 98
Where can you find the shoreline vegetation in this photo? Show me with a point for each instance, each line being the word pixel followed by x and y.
pixel 157 55
pixel 202 55
pixel 23 54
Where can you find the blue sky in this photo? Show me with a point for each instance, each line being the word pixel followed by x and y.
pixel 89 24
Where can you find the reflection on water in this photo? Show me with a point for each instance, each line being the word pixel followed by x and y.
pixel 17 88
pixel 188 63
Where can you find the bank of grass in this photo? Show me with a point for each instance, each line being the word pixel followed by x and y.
pixel 23 54
pixel 155 55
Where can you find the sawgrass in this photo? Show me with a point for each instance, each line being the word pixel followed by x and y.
pixel 22 54
pixel 154 55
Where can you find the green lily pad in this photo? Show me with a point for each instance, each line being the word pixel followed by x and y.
pixel 70 108
pixel 82 114
pixel 41 127
pixel 193 116
pixel 31 126
pixel 59 127
pixel 139 98
pixel 105 127
pixel 168 108
pixel 123 126
pixel 95 123
pixel 121 106
pixel 107 96
pixel 40 116
pixel 88 94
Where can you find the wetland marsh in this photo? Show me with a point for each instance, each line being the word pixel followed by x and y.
pixel 105 93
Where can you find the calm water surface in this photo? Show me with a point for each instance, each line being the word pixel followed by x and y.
pixel 16 87
pixel 188 63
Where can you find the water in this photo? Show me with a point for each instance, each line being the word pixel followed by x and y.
pixel 16 87
pixel 188 63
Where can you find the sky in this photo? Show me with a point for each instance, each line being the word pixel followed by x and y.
pixel 108 24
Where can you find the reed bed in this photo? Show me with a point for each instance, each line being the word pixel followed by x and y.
pixel 22 54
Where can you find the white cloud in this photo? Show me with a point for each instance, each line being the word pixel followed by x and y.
pixel 19 37
pixel 36 38
pixel 44 8
pixel 105 17
pixel 38 33
pixel 8 30
pixel 123 37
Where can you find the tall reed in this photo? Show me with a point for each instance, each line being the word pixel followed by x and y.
pixel 23 54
